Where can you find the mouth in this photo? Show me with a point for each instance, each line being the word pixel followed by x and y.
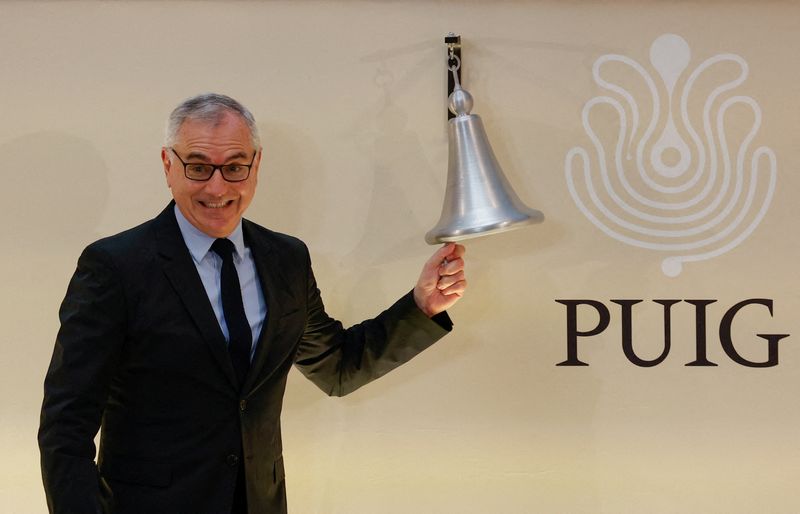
pixel 216 205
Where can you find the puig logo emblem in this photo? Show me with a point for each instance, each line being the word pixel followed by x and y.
pixel 670 167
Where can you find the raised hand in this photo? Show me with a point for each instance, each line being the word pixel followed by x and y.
pixel 442 281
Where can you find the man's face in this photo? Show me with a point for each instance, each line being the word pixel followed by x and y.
pixel 216 205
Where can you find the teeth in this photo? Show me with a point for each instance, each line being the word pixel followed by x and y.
pixel 218 205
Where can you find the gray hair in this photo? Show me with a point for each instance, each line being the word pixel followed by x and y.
pixel 209 107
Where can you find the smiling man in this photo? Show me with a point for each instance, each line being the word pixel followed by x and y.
pixel 212 202
pixel 177 337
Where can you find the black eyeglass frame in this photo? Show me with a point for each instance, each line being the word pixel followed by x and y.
pixel 215 167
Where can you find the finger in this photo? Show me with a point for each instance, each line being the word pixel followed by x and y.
pixel 448 280
pixel 456 289
pixel 440 255
pixel 451 251
pixel 456 254
pixel 451 267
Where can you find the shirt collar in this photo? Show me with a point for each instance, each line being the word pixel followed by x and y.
pixel 199 243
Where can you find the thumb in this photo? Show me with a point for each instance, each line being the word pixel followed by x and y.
pixel 441 254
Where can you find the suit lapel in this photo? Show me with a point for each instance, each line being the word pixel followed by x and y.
pixel 179 268
pixel 278 295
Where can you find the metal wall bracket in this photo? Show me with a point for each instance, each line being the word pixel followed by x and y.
pixel 452 44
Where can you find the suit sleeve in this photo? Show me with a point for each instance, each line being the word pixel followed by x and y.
pixel 340 360
pixel 87 350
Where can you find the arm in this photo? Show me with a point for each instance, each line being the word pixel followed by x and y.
pixel 86 351
pixel 340 360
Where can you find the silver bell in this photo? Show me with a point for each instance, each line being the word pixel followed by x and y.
pixel 478 200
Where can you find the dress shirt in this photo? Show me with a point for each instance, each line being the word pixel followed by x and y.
pixel 209 266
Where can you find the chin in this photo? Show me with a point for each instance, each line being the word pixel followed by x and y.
pixel 220 231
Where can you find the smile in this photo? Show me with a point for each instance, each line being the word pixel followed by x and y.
pixel 216 205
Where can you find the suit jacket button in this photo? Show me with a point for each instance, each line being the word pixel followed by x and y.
pixel 242 405
pixel 232 460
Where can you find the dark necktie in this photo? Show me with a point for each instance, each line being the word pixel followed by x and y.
pixel 240 338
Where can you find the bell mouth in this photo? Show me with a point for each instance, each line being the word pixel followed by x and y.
pixel 454 234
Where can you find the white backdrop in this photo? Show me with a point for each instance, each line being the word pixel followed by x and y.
pixel 350 101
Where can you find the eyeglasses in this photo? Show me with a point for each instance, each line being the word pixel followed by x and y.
pixel 203 172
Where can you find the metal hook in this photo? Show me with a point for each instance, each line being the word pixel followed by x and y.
pixel 453 43
pixel 454 70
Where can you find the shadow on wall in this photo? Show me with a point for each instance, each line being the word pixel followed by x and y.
pixel 57 189
pixel 55 193
pixel 291 185
pixel 407 195
pixel 401 203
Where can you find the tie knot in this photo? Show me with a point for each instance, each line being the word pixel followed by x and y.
pixel 224 248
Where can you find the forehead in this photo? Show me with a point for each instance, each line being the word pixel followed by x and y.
pixel 226 132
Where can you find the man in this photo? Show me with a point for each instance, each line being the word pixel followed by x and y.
pixel 177 336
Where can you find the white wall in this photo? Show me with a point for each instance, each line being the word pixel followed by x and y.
pixel 350 101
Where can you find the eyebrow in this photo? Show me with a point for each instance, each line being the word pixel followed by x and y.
pixel 203 157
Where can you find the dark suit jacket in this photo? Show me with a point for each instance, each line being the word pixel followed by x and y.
pixel 140 355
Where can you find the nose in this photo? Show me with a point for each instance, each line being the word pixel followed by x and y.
pixel 216 185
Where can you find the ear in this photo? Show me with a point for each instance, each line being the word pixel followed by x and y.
pixel 167 162
pixel 257 162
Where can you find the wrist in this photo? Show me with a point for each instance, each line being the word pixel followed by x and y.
pixel 421 305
